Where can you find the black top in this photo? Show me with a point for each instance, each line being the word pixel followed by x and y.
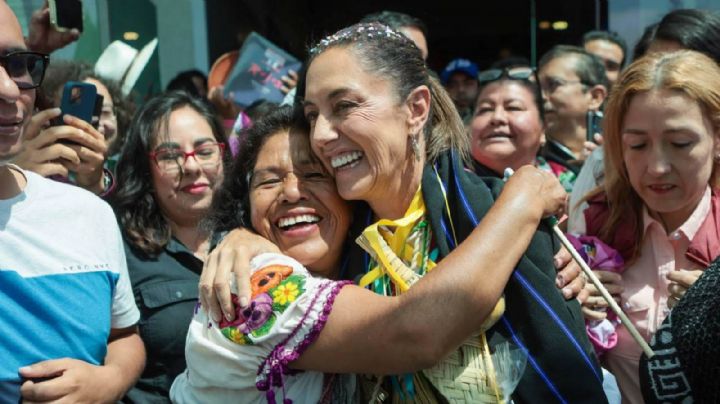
pixel 554 151
pixel 686 365
pixel 166 292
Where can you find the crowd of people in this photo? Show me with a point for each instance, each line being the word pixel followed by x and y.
pixel 388 234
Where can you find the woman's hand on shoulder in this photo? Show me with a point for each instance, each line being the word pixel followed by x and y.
pixel 232 255
pixel 537 190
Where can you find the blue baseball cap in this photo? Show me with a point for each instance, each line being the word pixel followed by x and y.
pixel 459 66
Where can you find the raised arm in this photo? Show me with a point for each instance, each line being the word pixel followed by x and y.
pixel 370 333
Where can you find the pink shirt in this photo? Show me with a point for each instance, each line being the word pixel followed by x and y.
pixel 646 292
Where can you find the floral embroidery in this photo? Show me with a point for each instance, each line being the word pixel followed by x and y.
pixel 236 336
pixel 268 278
pixel 274 289
pixel 287 292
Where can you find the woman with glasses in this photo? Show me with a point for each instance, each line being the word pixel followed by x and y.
pixel 171 161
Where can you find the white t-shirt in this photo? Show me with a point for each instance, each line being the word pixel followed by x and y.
pixel 63 278
pixel 246 360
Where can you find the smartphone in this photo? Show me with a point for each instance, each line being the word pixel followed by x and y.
pixel 593 124
pixel 66 14
pixel 79 99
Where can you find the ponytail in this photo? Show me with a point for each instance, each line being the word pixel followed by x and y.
pixel 444 130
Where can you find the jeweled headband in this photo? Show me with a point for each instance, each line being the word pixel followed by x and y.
pixel 368 31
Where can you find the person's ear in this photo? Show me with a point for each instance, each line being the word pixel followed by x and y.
pixel 716 146
pixel 418 103
pixel 598 93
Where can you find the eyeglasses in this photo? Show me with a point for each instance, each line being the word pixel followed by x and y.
pixel 25 68
pixel 551 84
pixel 171 161
pixel 512 73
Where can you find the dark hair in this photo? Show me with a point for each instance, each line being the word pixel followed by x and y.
pixel 184 81
pixel 609 36
pixel 138 213
pixel 697 30
pixel 259 109
pixel 396 20
pixel 386 53
pixel 58 73
pixel 645 40
pixel 588 67
pixel 231 202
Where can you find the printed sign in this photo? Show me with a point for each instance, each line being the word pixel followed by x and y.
pixel 257 73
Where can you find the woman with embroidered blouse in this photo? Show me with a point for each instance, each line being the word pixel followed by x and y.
pixel 279 188
pixel 387 132
pixel 658 206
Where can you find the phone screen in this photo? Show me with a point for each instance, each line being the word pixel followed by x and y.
pixel 67 14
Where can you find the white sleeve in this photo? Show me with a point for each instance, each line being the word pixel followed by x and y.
pixel 589 178
pixel 124 310
pixel 288 311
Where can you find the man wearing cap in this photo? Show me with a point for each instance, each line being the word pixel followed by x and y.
pixel 460 81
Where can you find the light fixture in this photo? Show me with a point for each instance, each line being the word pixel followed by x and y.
pixel 560 25
pixel 131 36
pixel 544 25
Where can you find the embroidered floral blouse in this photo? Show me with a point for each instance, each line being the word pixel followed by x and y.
pixel 247 360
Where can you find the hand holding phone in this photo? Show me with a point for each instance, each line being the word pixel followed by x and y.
pixel 593 125
pixel 79 99
pixel 66 15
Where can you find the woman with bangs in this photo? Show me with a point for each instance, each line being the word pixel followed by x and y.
pixel 659 204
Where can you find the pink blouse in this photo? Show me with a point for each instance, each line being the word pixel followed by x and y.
pixel 645 294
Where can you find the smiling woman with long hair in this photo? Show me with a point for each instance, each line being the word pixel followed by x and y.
pixel 170 162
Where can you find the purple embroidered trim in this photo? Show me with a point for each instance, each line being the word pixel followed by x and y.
pixel 276 364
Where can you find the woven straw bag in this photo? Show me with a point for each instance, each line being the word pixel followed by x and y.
pixel 467 375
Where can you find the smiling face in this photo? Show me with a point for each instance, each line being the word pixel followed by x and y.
pixel 16 106
pixel 506 130
pixel 359 128
pixel 294 203
pixel 668 147
pixel 184 195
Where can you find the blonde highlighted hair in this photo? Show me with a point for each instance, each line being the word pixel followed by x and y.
pixel 690 73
